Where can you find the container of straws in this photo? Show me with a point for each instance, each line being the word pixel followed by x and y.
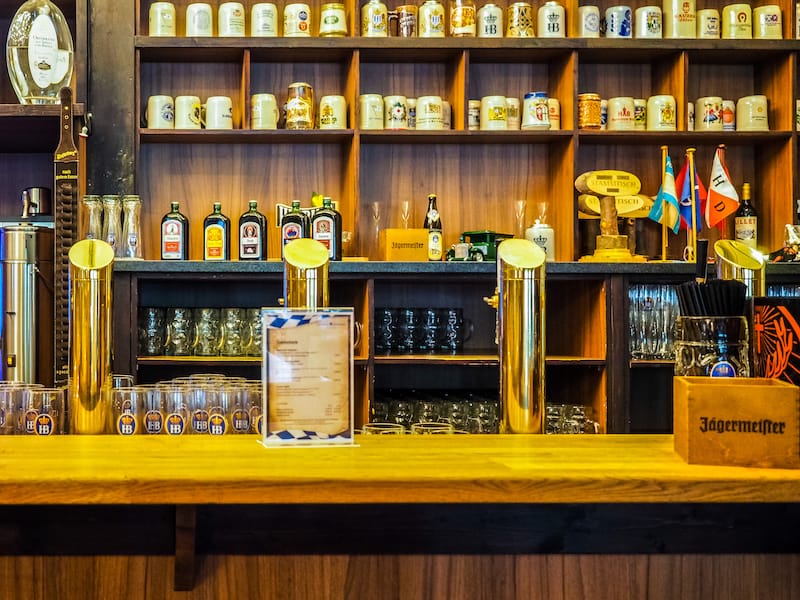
pixel 711 335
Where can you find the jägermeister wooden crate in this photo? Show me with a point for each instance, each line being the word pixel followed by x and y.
pixel 750 422
pixel 404 244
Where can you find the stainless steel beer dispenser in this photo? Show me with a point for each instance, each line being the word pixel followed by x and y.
pixel 26 252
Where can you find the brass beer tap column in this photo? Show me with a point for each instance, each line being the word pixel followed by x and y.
pixel 521 335
pixel 90 266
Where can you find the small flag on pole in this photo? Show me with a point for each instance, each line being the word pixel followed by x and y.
pixel 723 200
pixel 683 184
pixel 666 209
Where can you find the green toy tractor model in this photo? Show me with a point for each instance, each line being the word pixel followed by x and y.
pixel 477 246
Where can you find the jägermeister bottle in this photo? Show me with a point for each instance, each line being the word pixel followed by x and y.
pixel 253 234
pixel 217 235
pixel 326 228
pixel 294 225
pixel 433 223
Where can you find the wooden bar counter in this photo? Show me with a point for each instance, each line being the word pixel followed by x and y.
pixel 380 469
pixel 395 517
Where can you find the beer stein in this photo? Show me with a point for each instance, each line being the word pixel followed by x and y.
pixel 152 331
pixel 455 330
pixel 207 339
pixel 253 317
pixel 385 322
pixel 406 330
pixel 236 333
pixel 179 332
pixel 429 330
pixel 300 106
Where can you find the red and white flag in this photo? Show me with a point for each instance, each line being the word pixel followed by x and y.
pixel 723 200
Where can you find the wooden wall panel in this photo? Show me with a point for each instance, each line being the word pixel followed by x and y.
pixel 404 577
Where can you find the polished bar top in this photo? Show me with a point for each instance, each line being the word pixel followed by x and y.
pixel 381 469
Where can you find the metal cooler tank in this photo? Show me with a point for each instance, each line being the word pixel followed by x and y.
pixel 26 301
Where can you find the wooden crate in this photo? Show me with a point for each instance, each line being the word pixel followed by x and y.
pixel 750 422
pixel 404 244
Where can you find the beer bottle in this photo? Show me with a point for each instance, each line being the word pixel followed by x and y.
pixel 746 220
pixel 294 225
pixel 174 234
pixel 216 235
pixel 253 234
pixel 433 223
pixel 326 228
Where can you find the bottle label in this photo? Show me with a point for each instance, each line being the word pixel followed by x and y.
pixel 291 231
pixel 43 51
pixel 433 215
pixel 172 239
pixel 215 242
pixel 250 241
pixel 434 245
pixel 322 231
pixel 722 368
pixel 745 230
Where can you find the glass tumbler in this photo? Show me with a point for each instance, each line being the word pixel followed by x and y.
pixel 712 346
pixel 43 410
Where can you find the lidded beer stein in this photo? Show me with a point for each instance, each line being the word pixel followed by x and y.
pixel 300 107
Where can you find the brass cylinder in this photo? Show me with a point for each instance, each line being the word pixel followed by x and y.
pixel 740 262
pixel 521 314
pixel 90 270
pixel 305 274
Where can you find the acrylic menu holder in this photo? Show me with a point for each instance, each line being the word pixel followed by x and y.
pixel 307 377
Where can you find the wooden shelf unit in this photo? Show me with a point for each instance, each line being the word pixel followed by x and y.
pixel 477 175
pixel 575 310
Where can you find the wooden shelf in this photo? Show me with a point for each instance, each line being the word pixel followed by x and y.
pixel 210 361
pixel 31 128
pixel 697 138
pixel 244 136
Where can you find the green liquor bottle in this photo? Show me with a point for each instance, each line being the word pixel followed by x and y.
pixel 294 225
pixel 253 234
pixel 326 228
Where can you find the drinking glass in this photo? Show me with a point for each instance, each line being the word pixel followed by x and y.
pixel 401 411
pixel 153 421
pixel 180 332
pixel 253 317
pixel 175 399
pixel 383 429
pixel 429 330
pixel 519 213
pixel 235 332
pixel 42 410
pixel 385 323
pixel 428 428
pixel 207 332
pixel 152 329
pixel 406 330
pixel 255 407
pixel 405 212
pixel 455 330
pixel 127 409
pixel 712 346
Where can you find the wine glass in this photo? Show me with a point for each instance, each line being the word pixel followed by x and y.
pixel 405 212
pixel 376 219
pixel 519 212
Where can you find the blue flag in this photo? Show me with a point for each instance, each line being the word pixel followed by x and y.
pixel 666 209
